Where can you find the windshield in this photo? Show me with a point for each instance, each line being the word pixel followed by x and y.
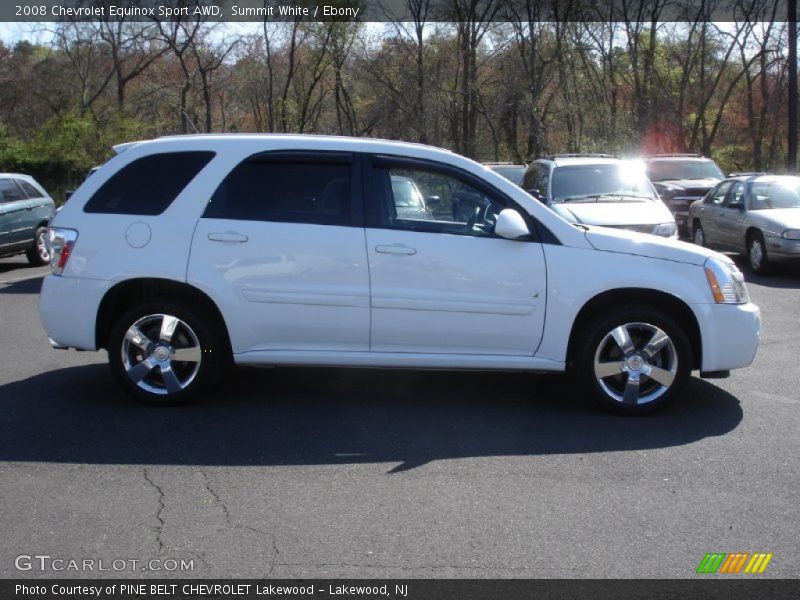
pixel 604 182
pixel 513 174
pixel 775 194
pixel 664 170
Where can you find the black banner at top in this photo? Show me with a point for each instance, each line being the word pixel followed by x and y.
pixel 394 10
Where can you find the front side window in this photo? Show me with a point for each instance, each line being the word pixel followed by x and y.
pixel 287 189
pixel 736 195
pixel 427 200
pixel 606 181
pixel 717 197
pixel 10 191
pixel 148 185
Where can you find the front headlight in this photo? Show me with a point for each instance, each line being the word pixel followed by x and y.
pixel 665 229
pixel 726 281
pixel 791 234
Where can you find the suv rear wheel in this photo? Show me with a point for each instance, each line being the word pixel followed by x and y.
pixel 636 360
pixel 165 352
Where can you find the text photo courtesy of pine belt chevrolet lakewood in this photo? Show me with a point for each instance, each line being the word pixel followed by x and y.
pixel 183 254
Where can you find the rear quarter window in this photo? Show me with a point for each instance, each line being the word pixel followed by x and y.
pixel 148 185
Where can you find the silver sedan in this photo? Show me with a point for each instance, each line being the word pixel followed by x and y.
pixel 755 215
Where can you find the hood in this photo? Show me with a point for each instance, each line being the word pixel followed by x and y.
pixel 651 246
pixel 780 218
pixel 612 214
pixel 682 184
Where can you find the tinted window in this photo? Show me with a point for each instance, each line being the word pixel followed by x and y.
pixel 9 191
pixel 29 190
pixel 663 170
pixel 148 185
pixel 442 203
pixel 529 181
pixel 286 190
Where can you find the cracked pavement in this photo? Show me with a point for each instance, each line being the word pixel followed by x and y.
pixel 315 473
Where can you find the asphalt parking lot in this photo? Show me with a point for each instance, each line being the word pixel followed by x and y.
pixel 369 473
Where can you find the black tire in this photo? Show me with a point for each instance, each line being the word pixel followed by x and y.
pixel 699 235
pixel 757 253
pixel 37 254
pixel 673 360
pixel 194 334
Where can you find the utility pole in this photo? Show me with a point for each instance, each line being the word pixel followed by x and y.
pixel 791 155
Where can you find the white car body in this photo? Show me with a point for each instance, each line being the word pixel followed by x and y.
pixel 311 294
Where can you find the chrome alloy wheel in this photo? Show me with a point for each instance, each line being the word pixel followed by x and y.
pixel 161 354
pixel 41 246
pixel 756 254
pixel 635 363
pixel 699 237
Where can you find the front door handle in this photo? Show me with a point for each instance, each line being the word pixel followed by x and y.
pixel 228 237
pixel 396 249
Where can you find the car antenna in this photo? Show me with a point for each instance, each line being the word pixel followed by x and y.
pixel 188 118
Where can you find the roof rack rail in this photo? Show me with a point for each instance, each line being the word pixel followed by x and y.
pixel 581 155
pixel 674 155
pixel 749 173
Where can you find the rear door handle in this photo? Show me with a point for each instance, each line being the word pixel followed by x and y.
pixel 228 237
pixel 396 249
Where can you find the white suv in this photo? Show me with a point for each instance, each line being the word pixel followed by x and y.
pixel 183 254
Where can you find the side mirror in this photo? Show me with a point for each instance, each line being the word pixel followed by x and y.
pixel 736 205
pixel 510 225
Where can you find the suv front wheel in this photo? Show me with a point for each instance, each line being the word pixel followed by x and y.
pixel 635 360
pixel 164 352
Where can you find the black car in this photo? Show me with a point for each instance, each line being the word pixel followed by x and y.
pixel 680 179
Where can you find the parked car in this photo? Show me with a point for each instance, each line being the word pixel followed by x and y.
pixel 409 201
pixel 681 179
pixel 183 254
pixel 25 211
pixel 599 189
pixel 513 172
pixel 755 215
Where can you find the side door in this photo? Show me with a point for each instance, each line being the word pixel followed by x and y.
pixel 444 285
pixel 709 209
pixel 730 218
pixel 13 205
pixel 281 247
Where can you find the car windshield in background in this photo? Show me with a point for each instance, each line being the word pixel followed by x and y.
pixel 513 174
pixel 601 183
pixel 684 169
pixel 775 194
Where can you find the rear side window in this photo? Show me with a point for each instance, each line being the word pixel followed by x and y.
pixel 148 185
pixel 29 190
pixel 315 190
pixel 9 191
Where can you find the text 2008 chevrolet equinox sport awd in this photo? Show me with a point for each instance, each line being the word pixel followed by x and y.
pixel 182 253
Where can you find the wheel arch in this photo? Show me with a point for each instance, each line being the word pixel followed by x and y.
pixel 672 305
pixel 128 293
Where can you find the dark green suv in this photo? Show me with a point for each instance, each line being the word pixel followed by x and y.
pixel 25 211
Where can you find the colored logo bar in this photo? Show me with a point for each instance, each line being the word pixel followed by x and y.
pixel 720 562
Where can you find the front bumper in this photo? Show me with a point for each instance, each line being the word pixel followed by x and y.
pixel 730 335
pixel 781 249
